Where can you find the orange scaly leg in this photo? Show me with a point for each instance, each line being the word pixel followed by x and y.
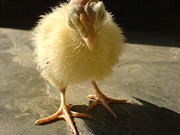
pixel 100 98
pixel 64 113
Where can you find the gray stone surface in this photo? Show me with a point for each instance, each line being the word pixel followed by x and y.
pixel 149 76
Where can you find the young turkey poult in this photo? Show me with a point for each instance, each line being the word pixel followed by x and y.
pixel 78 41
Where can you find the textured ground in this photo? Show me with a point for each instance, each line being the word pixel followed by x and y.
pixel 147 75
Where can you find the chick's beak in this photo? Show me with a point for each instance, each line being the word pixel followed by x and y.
pixel 90 41
pixel 90 36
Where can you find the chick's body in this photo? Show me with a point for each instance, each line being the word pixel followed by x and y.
pixel 63 56
pixel 78 41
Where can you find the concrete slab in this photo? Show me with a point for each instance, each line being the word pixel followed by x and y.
pixel 147 75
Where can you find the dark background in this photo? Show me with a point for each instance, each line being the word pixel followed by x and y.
pixel 146 15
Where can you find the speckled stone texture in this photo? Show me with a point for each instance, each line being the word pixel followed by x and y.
pixel 147 75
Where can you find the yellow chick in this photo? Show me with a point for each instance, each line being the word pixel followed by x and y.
pixel 78 41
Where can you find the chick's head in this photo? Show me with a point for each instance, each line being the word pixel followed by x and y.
pixel 87 19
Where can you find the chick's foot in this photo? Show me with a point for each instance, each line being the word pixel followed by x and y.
pixel 65 113
pixel 100 98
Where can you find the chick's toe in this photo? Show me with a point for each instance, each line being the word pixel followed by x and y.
pixel 100 98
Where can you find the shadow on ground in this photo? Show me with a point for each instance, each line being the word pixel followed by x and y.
pixel 133 119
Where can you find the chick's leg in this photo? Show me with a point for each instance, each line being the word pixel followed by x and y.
pixel 100 98
pixel 65 113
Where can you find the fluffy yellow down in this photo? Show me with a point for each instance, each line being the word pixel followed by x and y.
pixel 63 57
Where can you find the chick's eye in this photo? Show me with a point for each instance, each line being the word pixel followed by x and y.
pixel 99 10
pixel 70 23
pixel 72 17
pixel 89 9
pixel 73 20
pixel 101 15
